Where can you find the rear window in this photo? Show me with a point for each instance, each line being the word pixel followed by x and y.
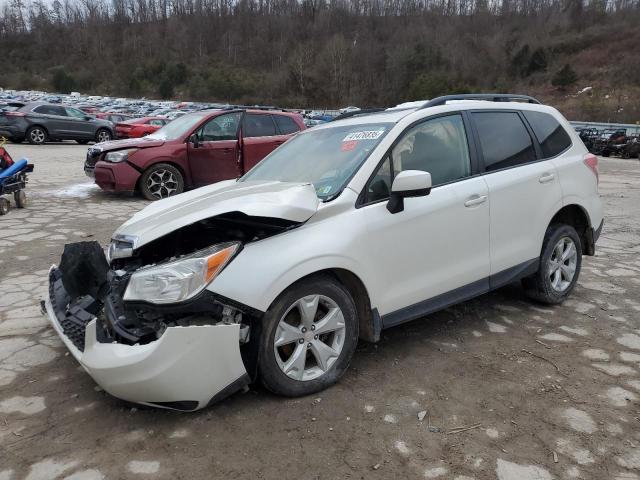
pixel 504 140
pixel 552 137
pixel 258 126
pixel 286 125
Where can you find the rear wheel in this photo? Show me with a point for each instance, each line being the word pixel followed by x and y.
pixel 310 335
pixel 4 206
pixel 103 135
pixel 20 198
pixel 36 135
pixel 559 268
pixel 161 181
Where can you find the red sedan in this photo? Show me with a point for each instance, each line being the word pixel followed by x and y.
pixel 139 127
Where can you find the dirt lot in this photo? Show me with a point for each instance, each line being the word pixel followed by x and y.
pixel 541 392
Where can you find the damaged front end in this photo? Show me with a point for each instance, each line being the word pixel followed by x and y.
pixel 143 324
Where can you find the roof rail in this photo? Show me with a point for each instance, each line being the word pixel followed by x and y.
pixel 489 97
pixel 354 113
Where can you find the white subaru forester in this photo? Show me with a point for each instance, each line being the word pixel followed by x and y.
pixel 351 227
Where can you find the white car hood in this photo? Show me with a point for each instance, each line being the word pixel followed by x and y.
pixel 296 202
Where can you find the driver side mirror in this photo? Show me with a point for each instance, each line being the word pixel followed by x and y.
pixel 195 140
pixel 409 183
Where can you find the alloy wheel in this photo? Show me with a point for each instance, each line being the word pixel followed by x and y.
pixel 309 337
pixel 37 135
pixel 103 136
pixel 562 263
pixel 162 183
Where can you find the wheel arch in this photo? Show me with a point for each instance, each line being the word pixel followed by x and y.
pixel 154 163
pixel 34 125
pixel 369 322
pixel 578 217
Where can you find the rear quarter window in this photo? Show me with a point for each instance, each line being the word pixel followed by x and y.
pixel 553 139
pixel 286 124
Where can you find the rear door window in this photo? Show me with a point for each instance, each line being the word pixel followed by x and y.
pixel 46 110
pixel 552 137
pixel 286 125
pixel 258 126
pixel 504 140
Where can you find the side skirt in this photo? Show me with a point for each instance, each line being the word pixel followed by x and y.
pixel 461 294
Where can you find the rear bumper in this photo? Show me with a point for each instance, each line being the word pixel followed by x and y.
pixel 186 369
pixel 115 177
pixel 12 131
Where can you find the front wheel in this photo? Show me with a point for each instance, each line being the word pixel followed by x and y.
pixel 309 337
pixel 161 181
pixel 103 135
pixel 559 268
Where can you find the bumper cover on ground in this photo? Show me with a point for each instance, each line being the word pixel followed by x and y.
pixel 185 369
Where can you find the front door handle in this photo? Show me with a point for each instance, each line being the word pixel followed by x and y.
pixel 474 200
pixel 546 177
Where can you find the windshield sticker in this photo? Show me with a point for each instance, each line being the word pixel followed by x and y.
pixel 366 135
pixel 348 145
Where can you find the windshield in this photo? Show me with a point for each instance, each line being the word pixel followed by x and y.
pixel 178 127
pixel 326 157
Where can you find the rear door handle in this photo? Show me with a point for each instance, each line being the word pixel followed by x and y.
pixel 474 200
pixel 546 177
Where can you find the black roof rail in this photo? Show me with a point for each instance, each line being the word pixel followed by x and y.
pixel 354 113
pixel 489 97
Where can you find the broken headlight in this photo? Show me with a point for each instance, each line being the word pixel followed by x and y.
pixel 181 279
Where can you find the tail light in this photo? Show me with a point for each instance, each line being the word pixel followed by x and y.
pixel 15 114
pixel 591 161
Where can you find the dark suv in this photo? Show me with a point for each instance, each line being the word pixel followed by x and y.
pixel 40 122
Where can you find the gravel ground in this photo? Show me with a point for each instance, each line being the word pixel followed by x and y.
pixel 496 387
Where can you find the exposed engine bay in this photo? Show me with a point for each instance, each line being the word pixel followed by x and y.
pixel 85 285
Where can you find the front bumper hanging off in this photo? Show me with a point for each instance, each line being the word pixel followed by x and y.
pixel 186 368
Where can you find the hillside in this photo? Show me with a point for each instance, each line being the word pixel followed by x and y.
pixel 330 54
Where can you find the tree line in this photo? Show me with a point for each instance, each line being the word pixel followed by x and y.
pixel 330 53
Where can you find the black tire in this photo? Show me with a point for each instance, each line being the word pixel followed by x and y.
pixel 82 142
pixel 173 186
pixel 103 135
pixel 539 286
pixel 271 374
pixel 605 153
pixel 37 135
pixel 20 198
pixel 4 206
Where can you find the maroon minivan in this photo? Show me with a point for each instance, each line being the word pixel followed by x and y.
pixel 191 151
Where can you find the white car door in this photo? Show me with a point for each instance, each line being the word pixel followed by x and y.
pixel 436 251
pixel 524 192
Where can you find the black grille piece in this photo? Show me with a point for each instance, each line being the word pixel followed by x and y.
pixel 74 319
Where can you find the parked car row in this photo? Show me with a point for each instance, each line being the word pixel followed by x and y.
pixel 610 142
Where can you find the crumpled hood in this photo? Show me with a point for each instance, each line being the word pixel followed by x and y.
pixel 128 143
pixel 296 202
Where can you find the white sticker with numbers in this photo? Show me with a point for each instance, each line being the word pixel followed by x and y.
pixel 366 135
